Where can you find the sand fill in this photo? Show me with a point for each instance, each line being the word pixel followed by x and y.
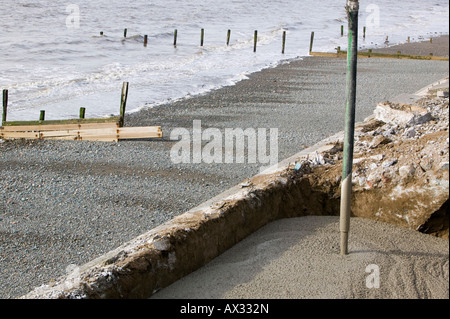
pixel 299 258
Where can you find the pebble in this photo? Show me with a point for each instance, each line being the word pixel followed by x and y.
pixel 407 171
pixel 389 163
pixel 411 133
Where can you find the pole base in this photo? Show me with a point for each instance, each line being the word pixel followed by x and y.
pixel 344 243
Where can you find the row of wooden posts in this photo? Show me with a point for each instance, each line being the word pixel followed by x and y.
pixel 82 113
pixel 255 41
pixel 202 38
pixel 125 86
pixel 108 129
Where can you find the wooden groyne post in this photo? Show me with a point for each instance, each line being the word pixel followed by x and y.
pixel 228 37
pixel 284 42
pixel 202 37
pixel 145 40
pixel 123 103
pixel 42 116
pixel 5 106
pixel 352 8
pixel 311 42
pixel 82 112
pixel 125 33
pixel 255 42
pixel 175 34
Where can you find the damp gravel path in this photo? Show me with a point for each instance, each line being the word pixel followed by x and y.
pixel 65 203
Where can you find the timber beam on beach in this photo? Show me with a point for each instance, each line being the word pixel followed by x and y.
pixel 370 54
pixel 107 132
pixel 108 129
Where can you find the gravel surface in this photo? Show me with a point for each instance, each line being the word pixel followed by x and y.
pixel 65 203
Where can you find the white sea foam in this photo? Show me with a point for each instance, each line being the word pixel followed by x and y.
pixel 49 66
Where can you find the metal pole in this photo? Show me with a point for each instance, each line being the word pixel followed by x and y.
pixel 346 187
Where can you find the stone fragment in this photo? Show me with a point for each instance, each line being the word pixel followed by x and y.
pixel 442 93
pixel 379 140
pixel 389 163
pixel 374 177
pixel 426 163
pixel 407 171
pixel 410 133
pixel 401 114
pixel 378 157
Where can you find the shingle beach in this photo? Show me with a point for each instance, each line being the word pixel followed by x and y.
pixel 67 202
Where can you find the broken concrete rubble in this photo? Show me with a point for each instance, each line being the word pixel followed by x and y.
pixel 408 183
pixel 401 114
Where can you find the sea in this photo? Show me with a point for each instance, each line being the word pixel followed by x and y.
pixel 60 55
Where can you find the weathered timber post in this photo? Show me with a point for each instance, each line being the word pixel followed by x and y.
pixel 311 42
pixel 82 112
pixel 202 37
pixel 352 8
pixel 123 103
pixel 5 106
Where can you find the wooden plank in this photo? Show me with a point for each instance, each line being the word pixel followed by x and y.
pixel 107 133
pixel 18 135
pixel 98 132
pixel 88 126
pixel 51 134
pixel 105 138
pixel 57 127
pixel 62 138
pixel 103 131
pixel 139 132
pixel 154 129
